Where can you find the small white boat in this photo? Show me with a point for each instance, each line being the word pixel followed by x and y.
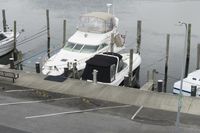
pixel 193 79
pixel 6 42
pixel 111 67
pixel 93 36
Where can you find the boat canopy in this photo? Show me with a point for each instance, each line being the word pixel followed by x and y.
pixel 96 22
pixel 105 65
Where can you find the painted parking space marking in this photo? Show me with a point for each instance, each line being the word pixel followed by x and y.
pixel 38 101
pixel 76 111
pixel 136 112
pixel 10 91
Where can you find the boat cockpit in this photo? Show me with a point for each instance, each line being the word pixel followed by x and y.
pixel 107 65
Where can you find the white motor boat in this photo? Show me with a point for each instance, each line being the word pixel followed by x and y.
pixel 111 68
pixel 193 79
pixel 93 36
pixel 6 42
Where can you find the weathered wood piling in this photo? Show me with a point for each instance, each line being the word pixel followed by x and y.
pixel 64 32
pixel 198 56
pixel 48 33
pixel 4 20
pixel 187 63
pixel 166 63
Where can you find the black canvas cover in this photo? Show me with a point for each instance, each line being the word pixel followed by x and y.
pixel 102 64
pixel 101 60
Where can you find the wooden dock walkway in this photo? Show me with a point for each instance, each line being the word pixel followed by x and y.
pixel 117 94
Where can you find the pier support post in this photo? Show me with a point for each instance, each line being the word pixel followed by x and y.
pixel 95 72
pixel 198 56
pixel 112 43
pixel 48 34
pixel 4 20
pixel 166 63
pixel 37 67
pixel 64 32
pixel 188 49
pixel 12 66
pixel 130 75
pixel 159 85
pixel 193 91
pixel 139 29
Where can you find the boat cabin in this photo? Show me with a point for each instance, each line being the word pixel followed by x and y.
pixel 107 65
pixel 84 48
pixel 97 22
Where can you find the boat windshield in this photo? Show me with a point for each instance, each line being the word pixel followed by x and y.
pixel 77 47
pixel 2 36
pixel 69 46
pixel 89 49
pixel 81 48
pixel 95 25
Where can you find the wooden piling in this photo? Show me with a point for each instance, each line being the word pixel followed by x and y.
pixel 66 72
pixel 130 75
pixel 159 85
pixel 74 70
pixel 4 20
pixel 12 66
pixel 166 63
pixel 188 50
pixel 198 56
pixel 153 78
pixel 112 43
pixel 21 67
pixel 15 54
pixel 148 76
pixel 37 67
pixel 64 32
pixel 48 33
pixel 193 91
pixel 139 29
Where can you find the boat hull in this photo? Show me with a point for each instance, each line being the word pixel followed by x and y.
pixel 6 48
pixel 186 89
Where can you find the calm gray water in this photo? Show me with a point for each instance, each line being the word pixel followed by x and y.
pixel 159 17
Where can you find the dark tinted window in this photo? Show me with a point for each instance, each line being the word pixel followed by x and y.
pixel 2 36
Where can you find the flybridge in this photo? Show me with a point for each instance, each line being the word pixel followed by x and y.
pixel 97 22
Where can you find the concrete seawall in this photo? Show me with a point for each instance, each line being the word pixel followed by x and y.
pixel 122 95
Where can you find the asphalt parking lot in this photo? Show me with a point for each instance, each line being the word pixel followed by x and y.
pixel 28 111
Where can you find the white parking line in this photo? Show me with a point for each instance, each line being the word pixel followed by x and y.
pixel 77 111
pixel 136 112
pixel 8 91
pixel 39 101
